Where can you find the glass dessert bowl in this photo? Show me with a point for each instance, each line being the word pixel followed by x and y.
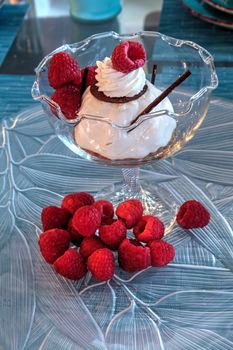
pixel 132 118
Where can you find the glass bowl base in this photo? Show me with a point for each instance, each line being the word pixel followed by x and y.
pixel 155 199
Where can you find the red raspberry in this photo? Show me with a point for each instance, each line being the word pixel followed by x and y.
pixel 86 220
pixel 73 201
pixel 101 264
pixel 130 212
pixel 69 99
pixel 63 69
pixel 71 265
pixel 107 221
pixel 161 253
pixel 112 235
pixel 89 245
pixel 54 217
pixel 133 256
pixel 76 238
pixel 88 76
pixel 128 56
pixel 106 209
pixel 53 243
pixel 192 214
pixel 148 228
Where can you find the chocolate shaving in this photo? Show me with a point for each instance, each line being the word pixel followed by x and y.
pixel 154 71
pixel 163 95
pixel 102 97
pixel 84 80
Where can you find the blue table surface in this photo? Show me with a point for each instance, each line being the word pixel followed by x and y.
pixel 11 17
pixel 15 94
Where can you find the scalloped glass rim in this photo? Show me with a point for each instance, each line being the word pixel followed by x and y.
pixel 206 57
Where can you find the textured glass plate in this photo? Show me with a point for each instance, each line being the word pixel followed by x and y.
pixel 186 306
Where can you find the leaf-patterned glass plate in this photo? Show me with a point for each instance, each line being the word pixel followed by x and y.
pixel 187 306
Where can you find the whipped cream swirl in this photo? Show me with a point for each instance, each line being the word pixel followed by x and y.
pixel 117 84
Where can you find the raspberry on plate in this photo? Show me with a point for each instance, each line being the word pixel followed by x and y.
pixel 101 264
pixel 54 217
pixel 69 100
pixel 76 200
pixel 63 69
pixel 53 243
pixel 88 76
pixel 148 228
pixel 75 236
pixel 130 212
pixel 89 245
pixel 107 221
pixel 112 235
pixel 128 56
pixel 106 209
pixel 192 214
pixel 86 220
pixel 161 253
pixel 71 265
pixel 133 256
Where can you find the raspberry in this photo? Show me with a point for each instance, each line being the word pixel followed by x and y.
pixel 75 236
pixel 73 201
pixel 53 243
pixel 128 56
pixel 71 265
pixel 89 245
pixel 192 214
pixel 107 221
pixel 106 209
pixel 88 76
pixel 69 99
pixel 161 253
pixel 130 212
pixel 63 69
pixel 54 217
pixel 86 220
pixel 112 235
pixel 101 264
pixel 133 256
pixel 148 228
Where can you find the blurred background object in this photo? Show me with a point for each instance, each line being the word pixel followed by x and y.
pixel 49 24
pixel 94 11
pixel 17 2
pixel 207 12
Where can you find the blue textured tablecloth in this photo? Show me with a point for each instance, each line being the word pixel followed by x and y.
pixel 15 94
pixel 177 22
pixel 11 17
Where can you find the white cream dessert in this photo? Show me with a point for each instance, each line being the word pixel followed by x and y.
pixel 114 143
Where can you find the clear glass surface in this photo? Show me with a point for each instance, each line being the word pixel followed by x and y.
pixel 190 103
pixel 185 306
pixel 190 100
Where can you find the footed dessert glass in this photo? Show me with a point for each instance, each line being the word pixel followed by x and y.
pixel 190 102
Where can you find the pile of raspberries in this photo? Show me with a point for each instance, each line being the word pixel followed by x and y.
pixel 94 233
pixel 70 81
